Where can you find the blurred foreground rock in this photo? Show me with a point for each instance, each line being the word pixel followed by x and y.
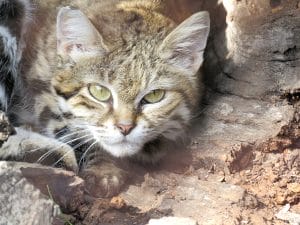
pixel 173 221
pixel 21 202
pixel 31 194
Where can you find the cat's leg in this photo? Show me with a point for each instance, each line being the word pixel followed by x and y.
pixel 24 145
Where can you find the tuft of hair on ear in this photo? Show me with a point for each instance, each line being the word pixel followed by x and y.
pixel 77 37
pixel 184 47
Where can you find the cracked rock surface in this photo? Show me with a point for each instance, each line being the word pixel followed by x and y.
pixel 20 201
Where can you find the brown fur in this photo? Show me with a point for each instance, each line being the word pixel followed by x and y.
pixel 129 48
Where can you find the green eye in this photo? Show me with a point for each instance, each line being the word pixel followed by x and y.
pixel 154 96
pixel 99 92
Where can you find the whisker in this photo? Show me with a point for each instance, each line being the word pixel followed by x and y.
pixel 75 147
pixel 75 139
pixel 85 153
pixel 61 158
pixel 71 134
pixel 48 153
pixel 80 129
pixel 91 127
pixel 61 144
pixel 44 156
pixel 82 143
pixel 60 131
pixel 198 114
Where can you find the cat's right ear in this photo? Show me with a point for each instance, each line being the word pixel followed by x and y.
pixel 183 48
pixel 77 37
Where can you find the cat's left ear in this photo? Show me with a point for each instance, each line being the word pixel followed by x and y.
pixel 77 37
pixel 183 48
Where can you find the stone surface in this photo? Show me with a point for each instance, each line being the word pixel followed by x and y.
pixel 231 122
pixel 64 187
pixel 20 202
pixel 260 56
pixel 292 218
pixel 173 221
pixel 207 202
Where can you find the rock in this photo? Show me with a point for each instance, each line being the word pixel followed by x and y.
pixel 20 202
pixel 172 221
pixel 66 189
pixel 280 199
pixel 294 187
pixel 32 194
pixel 205 201
pixel 117 202
pixel 284 214
pixel 228 141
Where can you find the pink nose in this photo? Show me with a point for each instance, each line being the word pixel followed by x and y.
pixel 125 129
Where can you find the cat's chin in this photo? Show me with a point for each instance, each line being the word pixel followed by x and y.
pixel 122 149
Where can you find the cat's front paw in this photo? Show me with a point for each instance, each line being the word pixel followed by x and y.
pixel 105 180
pixel 57 155
pixel 35 148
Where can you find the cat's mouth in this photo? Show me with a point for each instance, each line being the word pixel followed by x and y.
pixel 120 145
pixel 118 141
pixel 124 142
pixel 122 148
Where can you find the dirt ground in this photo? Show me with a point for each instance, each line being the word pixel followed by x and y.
pixel 261 177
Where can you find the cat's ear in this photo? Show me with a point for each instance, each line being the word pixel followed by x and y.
pixel 183 48
pixel 77 37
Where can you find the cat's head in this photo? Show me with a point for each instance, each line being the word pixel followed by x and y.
pixel 130 95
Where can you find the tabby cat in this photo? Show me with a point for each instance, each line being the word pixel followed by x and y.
pixel 97 77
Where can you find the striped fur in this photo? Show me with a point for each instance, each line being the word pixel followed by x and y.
pixel 14 19
pixel 125 46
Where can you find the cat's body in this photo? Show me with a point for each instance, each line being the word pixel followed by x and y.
pixel 110 77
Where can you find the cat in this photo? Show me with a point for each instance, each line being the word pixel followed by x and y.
pixel 98 78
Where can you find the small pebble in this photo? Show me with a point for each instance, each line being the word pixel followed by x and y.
pixel 294 187
pixel 280 200
pixel 173 221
